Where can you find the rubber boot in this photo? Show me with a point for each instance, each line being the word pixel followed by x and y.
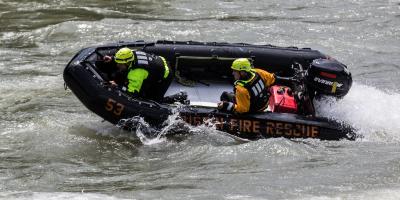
pixel 180 97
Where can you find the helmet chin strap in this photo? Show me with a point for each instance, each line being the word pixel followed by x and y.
pixel 246 75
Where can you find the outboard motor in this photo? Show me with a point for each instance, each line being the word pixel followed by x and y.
pixel 329 77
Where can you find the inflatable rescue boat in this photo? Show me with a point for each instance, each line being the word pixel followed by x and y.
pixel 202 70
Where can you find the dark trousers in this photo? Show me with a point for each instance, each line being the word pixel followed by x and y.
pixel 156 90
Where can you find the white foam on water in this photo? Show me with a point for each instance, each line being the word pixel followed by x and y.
pixel 134 125
pixel 373 112
pixel 139 127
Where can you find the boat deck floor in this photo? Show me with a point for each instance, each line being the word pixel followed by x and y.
pixel 209 94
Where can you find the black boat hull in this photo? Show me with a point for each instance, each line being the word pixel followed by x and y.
pixel 82 77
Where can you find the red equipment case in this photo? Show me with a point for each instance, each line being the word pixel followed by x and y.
pixel 282 100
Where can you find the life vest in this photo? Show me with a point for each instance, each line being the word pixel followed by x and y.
pixel 258 91
pixel 155 65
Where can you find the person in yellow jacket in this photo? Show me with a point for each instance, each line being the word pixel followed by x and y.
pixel 251 92
pixel 142 74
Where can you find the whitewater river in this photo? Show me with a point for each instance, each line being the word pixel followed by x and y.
pixel 52 147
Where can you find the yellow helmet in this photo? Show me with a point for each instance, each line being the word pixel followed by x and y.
pixel 124 56
pixel 241 64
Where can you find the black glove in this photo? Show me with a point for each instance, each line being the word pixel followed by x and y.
pixel 133 94
pixel 226 106
pixel 227 96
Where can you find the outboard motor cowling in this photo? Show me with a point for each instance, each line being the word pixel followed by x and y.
pixel 329 77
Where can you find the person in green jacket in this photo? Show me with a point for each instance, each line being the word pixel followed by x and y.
pixel 142 74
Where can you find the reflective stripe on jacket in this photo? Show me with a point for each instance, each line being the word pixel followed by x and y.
pixel 253 95
pixel 146 68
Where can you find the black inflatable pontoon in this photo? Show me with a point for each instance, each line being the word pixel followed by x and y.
pixel 198 63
